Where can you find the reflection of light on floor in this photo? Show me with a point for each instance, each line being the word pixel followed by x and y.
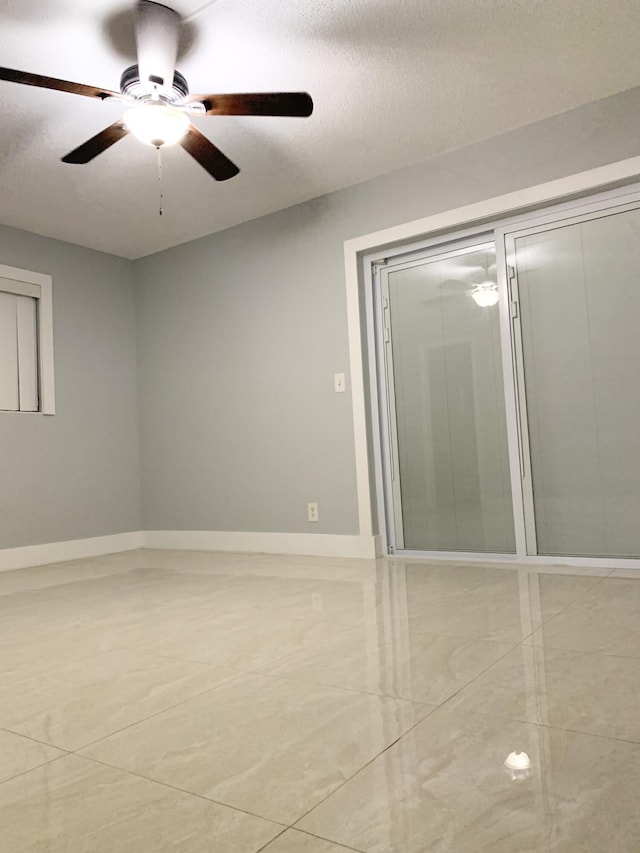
pixel 518 765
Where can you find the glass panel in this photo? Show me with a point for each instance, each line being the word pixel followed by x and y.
pixel 449 400
pixel 580 310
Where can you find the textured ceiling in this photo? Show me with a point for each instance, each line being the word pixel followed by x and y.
pixel 393 81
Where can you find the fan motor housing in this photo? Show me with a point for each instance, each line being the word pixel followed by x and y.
pixel 130 84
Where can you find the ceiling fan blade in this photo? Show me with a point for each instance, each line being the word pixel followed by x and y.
pixel 97 144
pixel 258 104
pixel 210 158
pixel 454 284
pixel 28 79
pixel 157 34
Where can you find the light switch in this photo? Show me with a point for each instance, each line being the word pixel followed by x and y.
pixel 339 383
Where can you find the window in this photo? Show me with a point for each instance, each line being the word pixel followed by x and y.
pixel 26 342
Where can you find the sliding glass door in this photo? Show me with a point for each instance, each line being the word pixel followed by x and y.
pixel 576 288
pixel 556 299
pixel 448 467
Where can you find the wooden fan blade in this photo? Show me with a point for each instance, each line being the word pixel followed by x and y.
pixel 97 144
pixel 28 79
pixel 210 158
pixel 257 104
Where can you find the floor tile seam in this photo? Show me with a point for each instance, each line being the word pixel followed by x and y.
pixel 628 741
pixel 32 591
pixel 35 740
pixel 35 767
pixel 492 641
pixel 529 642
pixel 620 605
pixel 378 755
pixel 544 622
pixel 309 683
pixel 458 636
pixel 237 671
pixel 579 597
pixel 180 790
pixel 596 579
pixel 340 844
pixel 77 749
pixel 236 674
pixel 330 841
pixel 479 674
pixel 272 841
pixel 144 651
pixel 551 726
pixel 284 658
pixel 78 752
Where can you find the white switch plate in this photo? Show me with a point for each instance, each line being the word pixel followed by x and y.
pixel 312 512
pixel 339 383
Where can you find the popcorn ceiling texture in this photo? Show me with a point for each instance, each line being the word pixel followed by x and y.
pixel 395 82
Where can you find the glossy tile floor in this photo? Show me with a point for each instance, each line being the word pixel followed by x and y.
pixel 185 701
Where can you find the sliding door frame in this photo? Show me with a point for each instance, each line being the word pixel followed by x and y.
pixel 385 370
pixel 507 238
pixel 504 232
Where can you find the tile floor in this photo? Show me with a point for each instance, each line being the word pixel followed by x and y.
pixel 191 702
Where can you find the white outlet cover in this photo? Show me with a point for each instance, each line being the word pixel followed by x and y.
pixel 339 383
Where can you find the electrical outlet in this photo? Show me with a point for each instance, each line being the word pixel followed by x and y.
pixel 312 512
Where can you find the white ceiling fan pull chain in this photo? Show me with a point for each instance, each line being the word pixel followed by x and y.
pixel 160 180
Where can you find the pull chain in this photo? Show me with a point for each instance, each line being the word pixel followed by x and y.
pixel 160 180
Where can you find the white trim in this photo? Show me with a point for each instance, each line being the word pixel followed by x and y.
pixel 73 549
pixel 500 206
pixel 380 456
pixel 511 400
pixel 21 288
pixel 583 182
pixel 302 544
pixel 529 562
pixel 45 334
pixel 357 392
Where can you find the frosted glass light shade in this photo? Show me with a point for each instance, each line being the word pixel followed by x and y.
pixel 156 124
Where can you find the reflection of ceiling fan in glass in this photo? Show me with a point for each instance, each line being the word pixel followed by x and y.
pixel 484 292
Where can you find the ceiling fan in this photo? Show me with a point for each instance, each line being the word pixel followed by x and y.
pixel 159 106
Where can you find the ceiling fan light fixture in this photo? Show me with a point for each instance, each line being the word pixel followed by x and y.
pixel 486 294
pixel 156 124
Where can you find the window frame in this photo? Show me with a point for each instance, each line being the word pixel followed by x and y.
pixel 46 383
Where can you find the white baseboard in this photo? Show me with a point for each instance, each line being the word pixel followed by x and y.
pixel 304 544
pixel 74 549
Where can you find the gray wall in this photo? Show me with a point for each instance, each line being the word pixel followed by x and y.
pixel 75 474
pixel 239 333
